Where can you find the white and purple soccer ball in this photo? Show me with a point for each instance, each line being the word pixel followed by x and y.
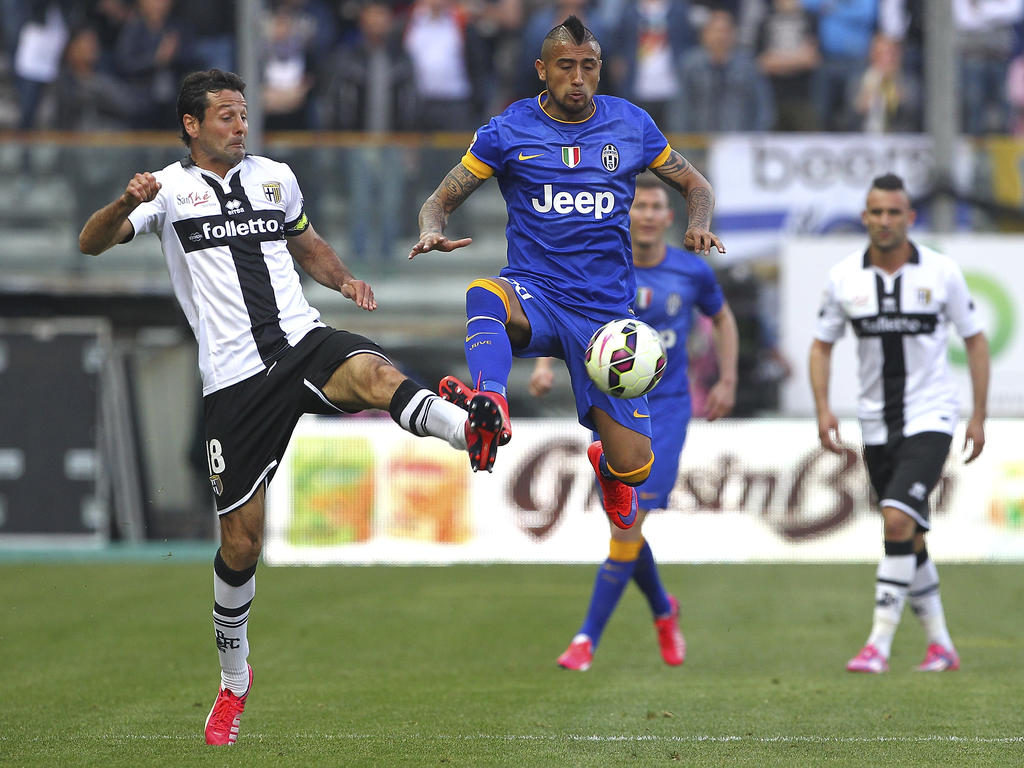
pixel 625 358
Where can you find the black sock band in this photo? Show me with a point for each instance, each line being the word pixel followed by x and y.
pixel 231 577
pixel 899 547
pixel 402 397
pixel 922 556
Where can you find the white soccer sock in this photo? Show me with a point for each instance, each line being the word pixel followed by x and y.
pixel 233 592
pixel 424 413
pixel 892 581
pixel 926 603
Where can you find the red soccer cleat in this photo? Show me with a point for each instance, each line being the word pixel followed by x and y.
pixel 454 391
pixel 869 660
pixel 670 637
pixel 488 425
pixel 578 655
pixel 939 659
pixel 620 502
pixel 223 721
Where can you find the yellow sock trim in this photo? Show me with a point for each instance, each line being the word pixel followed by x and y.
pixel 635 477
pixel 624 551
pixel 490 285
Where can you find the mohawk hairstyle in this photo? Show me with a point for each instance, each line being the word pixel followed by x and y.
pixel 890 182
pixel 570 31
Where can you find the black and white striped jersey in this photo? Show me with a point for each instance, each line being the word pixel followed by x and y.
pixel 900 321
pixel 230 268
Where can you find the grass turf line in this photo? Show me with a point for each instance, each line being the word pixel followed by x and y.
pixel 114 665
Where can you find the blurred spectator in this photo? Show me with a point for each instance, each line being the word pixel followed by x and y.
pixel 288 77
pixel 150 57
pixel 41 41
pixel 1015 94
pixel 499 25
pixel 370 88
pixel 903 21
pixel 722 89
pixel 88 99
pixel 211 28
pixel 788 55
pixel 845 29
pixel 107 17
pixel 652 37
pixel 449 63
pixel 985 40
pixel 887 99
pixel 542 20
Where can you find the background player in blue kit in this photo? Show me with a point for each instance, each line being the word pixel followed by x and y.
pixel 671 283
pixel 566 162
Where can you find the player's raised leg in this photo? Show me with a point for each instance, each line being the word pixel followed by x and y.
pixel 493 315
pixel 370 381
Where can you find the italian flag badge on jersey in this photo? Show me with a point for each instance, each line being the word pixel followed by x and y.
pixel 571 156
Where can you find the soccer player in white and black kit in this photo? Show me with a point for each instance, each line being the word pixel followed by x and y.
pixel 230 225
pixel 899 298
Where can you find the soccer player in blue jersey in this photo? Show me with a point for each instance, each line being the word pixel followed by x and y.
pixel 671 283
pixel 566 163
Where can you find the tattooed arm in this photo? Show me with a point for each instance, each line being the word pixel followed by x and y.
pixel 700 199
pixel 456 187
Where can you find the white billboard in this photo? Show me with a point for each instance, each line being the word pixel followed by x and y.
pixel 361 490
pixel 770 186
pixel 994 270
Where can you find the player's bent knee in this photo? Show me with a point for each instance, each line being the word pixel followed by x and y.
pixel 633 476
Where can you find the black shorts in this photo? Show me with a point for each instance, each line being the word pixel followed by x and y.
pixel 903 473
pixel 249 424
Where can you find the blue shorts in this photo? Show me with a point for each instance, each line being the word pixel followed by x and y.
pixel 562 332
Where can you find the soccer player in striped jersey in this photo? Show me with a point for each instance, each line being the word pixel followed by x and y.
pixel 899 297
pixel 671 285
pixel 566 163
pixel 230 225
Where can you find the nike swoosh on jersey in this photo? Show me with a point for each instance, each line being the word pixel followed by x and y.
pixel 638 415
pixel 528 157
pixel 482 333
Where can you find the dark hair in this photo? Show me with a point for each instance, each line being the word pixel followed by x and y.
pixel 192 98
pixel 646 180
pixel 890 182
pixel 569 31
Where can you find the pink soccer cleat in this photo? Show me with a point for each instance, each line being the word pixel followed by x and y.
pixel 939 659
pixel 619 499
pixel 578 655
pixel 868 660
pixel 223 721
pixel 454 391
pixel 670 637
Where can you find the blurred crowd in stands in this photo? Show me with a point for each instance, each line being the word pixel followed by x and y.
pixel 697 66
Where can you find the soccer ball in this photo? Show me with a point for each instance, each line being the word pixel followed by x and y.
pixel 625 358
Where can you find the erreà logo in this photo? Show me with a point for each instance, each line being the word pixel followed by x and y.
pixel 571 156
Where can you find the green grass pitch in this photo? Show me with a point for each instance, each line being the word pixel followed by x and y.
pixel 114 664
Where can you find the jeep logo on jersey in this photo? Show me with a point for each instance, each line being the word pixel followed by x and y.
pixel 272 191
pixel 571 156
pixel 610 157
pixel 211 231
pixel 582 202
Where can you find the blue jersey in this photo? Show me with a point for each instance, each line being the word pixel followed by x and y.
pixel 568 188
pixel 666 296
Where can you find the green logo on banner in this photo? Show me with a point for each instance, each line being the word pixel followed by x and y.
pixel 999 301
